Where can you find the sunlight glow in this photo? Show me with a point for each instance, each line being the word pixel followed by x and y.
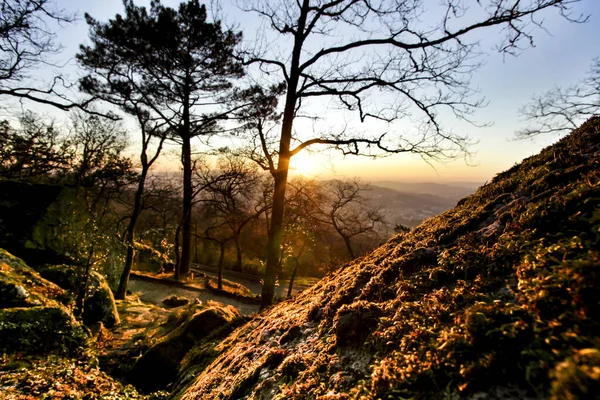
pixel 305 164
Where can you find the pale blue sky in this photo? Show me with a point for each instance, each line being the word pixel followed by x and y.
pixel 561 56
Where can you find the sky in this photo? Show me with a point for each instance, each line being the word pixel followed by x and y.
pixel 561 56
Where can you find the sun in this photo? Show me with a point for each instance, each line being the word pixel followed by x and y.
pixel 304 164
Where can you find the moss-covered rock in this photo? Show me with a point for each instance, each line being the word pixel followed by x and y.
pixel 21 286
pixel 160 365
pixel 41 330
pixel 496 298
pixel 99 303
pixel 53 377
pixel 175 301
pixel 63 275
pixel 578 377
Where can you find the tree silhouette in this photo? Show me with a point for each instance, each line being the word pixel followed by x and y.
pixel 563 109
pixel 27 44
pixel 348 212
pixel 176 66
pixel 34 151
pixel 229 197
pixel 380 61
pixel 147 159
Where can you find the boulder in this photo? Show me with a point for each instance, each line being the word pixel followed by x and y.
pixel 160 365
pixel 63 275
pixel 100 303
pixel 21 286
pixel 33 319
pixel 41 330
pixel 175 301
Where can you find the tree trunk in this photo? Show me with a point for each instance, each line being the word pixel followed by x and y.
pixel 83 284
pixel 348 246
pixel 129 239
pixel 290 287
pixel 186 227
pixel 238 252
pixel 281 174
pixel 273 250
pixel 196 259
pixel 177 251
pixel 220 273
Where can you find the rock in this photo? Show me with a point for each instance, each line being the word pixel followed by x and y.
pixel 63 275
pixel 160 365
pixel 12 295
pixel 21 286
pixel 175 301
pixel 100 303
pixel 40 330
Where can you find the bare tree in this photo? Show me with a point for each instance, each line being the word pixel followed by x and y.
pixel 349 213
pixel 27 44
pixel 379 60
pixel 230 198
pixel 99 173
pixel 34 151
pixel 561 110
pixel 304 200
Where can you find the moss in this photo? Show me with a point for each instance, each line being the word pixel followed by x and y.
pixel 353 323
pixel 578 377
pixel 41 330
pixel 59 378
pixel 99 305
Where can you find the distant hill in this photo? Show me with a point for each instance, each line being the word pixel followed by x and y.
pixel 454 191
pixel 497 298
pixel 405 208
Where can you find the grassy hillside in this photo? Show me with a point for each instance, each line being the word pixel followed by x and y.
pixel 498 295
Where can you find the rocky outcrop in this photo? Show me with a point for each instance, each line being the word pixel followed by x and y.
pixel 33 319
pixel 160 365
pixel 41 330
pixel 22 286
pixel 99 305
pixel 496 298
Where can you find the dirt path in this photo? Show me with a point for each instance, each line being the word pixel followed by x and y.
pixel 252 284
pixel 155 293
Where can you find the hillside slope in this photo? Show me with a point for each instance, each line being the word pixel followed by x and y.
pixel 498 295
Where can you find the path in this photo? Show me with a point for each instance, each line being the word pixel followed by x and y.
pixel 155 293
pixel 250 281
